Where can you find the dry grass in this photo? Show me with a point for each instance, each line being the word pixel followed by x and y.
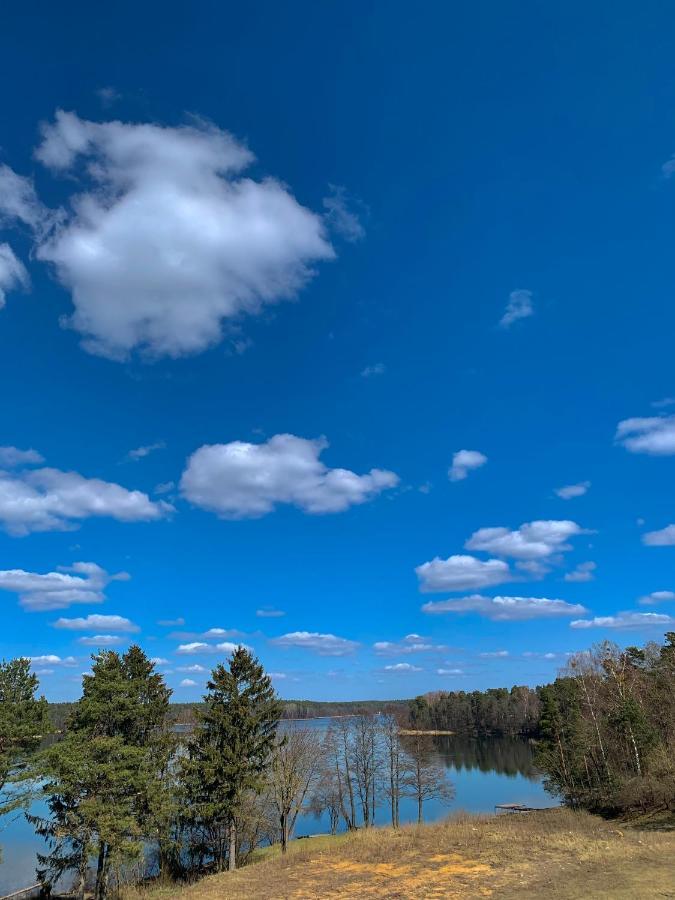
pixel 556 854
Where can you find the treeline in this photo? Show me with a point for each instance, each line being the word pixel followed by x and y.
pixel 186 713
pixel 126 794
pixel 608 729
pixel 497 711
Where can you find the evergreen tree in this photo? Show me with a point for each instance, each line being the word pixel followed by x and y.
pixel 104 778
pixel 23 717
pixel 230 752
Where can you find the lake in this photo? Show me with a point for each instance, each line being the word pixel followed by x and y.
pixel 484 772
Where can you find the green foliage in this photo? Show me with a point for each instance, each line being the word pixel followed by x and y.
pixel 230 752
pixel 608 729
pixel 105 780
pixel 495 711
pixel 23 717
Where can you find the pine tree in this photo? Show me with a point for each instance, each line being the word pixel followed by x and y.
pixel 230 752
pixel 23 717
pixel 103 779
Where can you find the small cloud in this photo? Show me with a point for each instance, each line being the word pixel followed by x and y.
pixel 663 403
pixel 665 537
pixel 375 369
pixel 142 452
pixel 195 669
pixel 13 456
pixel 101 640
pixel 402 668
pixel 628 620
pixel 425 488
pixel 583 572
pixel 461 572
pixel 494 654
pixel 656 597
pixel 51 659
pixel 108 96
pixel 465 461
pixel 159 661
pixel 164 487
pixel 339 217
pixel 268 612
pixel 569 491
pixel 449 672
pixel 506 609
pixel 323 644
pixel 653 435
pixel 94 622
pixel 188 682
pixel 520 306
pixel 278 676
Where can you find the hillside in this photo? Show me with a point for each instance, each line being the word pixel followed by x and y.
pixel 552 854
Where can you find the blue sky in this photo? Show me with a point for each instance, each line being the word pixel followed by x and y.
pixel 302 256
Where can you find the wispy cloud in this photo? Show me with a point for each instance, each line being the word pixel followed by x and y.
pixel 520 306
pixel 583 572
pixel 569 491
pixel 653 435
pixel 627 620
pixel 506 609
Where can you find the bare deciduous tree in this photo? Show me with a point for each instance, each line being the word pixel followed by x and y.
pixel 295 768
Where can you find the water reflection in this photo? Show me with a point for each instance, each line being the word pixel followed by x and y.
pixel 503 755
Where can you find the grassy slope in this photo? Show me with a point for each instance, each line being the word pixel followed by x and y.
pixel 555 854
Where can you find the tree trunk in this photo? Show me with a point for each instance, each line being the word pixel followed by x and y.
pixel 420 815
pixel 232 858
pixel 101 889
pixel 284 832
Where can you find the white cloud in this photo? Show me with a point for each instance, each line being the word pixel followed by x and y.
pixel 159 661
pixel 188 682
pixel 656 597
pixel 269 613
pixel 520 306
pixel 663 403
pixel 339 217
pixel 460 573
pixel 142 452
pixel 51 659
pixel 83 582
pixel 164 487
pixel 171 623
pixel 495 654
pixel 241 480
pixel 12 456
pixel 202 647
pixel 449 672
pixel 169 240
pixel 665 537
pixel 52 500
pixel 583 572
pixel 411 643
pixel 96 622
pixel 627 620
pixel 195 647
pixel 101 640
pixel 463 462
pixel 323 644
pixel 654 435
pixel 569 491
pixel 196 668
pixel 13 273
pixel 278 676
pixel 532 541
pixel 375 369
pixel 402 668
pixel 506 609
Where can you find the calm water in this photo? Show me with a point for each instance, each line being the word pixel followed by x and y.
pixel 484 771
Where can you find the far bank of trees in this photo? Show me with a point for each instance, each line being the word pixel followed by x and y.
pixel 607 729
pixel 497 711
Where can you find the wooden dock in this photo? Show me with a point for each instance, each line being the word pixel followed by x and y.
pixel 519 807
